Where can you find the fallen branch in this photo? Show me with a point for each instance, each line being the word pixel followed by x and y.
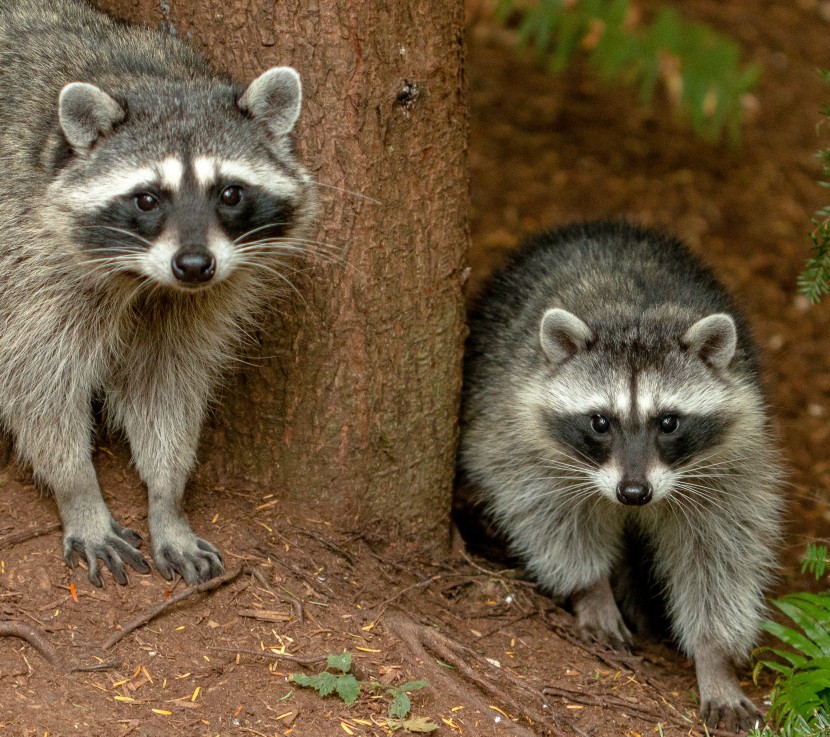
pixel 265 615
pixel 15 538
pixel 287 595
pixel 150 614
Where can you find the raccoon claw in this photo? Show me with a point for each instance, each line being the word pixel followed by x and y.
pixel 740 717
pixel 113 549
pixel 198 563
pixel 617 638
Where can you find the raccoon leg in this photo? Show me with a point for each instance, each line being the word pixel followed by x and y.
pixel 58 449
pixel 162 426
pixel 714 581
pixel 598 617
pixel 721 697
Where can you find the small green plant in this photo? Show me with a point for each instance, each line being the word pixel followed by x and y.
pixel 347 687
pixel 401 704
pixel 814 282
pixel 800 698
pixel 343 683
pixel 699 68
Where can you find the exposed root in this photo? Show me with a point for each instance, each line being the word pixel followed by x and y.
pixel 150 614
pixel 10 628
pixel 610 701
pixel 428 644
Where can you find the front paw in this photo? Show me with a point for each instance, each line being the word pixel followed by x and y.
pixel 598 618
pixel 194 559
pixel 108 541
pixel 740 716
pixel 606 628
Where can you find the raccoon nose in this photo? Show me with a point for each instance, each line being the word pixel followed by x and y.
pixel 634 492
pixel 194 267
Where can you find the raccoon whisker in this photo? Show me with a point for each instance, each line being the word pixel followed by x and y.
pixel 580 456
pixel 302 247
pixel 704 462
pixel 347 191
pixel 257 249
pixel 279 256
pixel 284 267
pixel 281 277
pixel 573 487
pixel 121 231
pixel 559 465
pixel 699 497
pixel 241 240
pixel 258 229
pixel 679 509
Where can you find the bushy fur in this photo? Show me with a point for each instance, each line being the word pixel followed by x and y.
pixel 78 322
pixel 612 321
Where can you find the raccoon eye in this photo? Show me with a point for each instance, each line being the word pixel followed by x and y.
pixel 600 424
pixel 231 196
pixel 668 423
pixel 146 202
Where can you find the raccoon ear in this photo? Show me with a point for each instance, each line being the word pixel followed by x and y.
pixel 86 112
pixel 274 98
pixel 714 339
pixel 562 335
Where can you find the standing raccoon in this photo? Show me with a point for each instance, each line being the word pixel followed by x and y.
pixel 612 396
pixel 147 208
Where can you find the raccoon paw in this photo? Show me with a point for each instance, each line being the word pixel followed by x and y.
pixel 194 559
pixel 115 546
pixel 606 631
pixel 735 717
pixel 597 617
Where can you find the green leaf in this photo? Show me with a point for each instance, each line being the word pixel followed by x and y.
pixel 400 706
pixel 412 686
pixel 348 688
pixel 343 662
pixel 324 682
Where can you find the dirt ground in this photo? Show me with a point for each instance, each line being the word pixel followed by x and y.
pixel 499 658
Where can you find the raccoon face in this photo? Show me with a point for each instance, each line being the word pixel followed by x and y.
pixel 191 216
pixel 637 422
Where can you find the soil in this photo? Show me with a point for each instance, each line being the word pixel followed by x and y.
pixel 499 657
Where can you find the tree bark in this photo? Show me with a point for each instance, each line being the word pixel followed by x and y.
pixel 351 406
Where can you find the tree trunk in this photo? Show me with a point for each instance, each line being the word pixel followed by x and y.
pixel 351 406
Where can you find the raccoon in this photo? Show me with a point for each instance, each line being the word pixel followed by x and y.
pixel 148 207
pixel 612 395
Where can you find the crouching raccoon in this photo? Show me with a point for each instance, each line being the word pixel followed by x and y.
pixel 612 395
pixel 147 209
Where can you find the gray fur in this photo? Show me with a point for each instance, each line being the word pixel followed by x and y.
pixel 661 342
pixel 87 104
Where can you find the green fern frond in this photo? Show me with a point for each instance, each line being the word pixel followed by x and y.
pixel 815 560
pixel 800 699
pixel 707 81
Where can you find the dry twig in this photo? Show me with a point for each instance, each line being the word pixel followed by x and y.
pixel 150 614
pixel 15 538
pixel 299 659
